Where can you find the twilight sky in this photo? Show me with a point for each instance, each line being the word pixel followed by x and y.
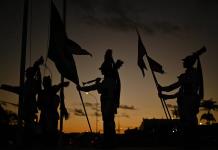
pixel 170 30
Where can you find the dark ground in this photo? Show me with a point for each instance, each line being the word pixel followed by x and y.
pixel 205 139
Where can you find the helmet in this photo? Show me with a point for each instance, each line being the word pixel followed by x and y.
pixel 189 61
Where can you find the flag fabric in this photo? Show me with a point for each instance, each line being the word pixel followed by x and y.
pixel 61 48
pixel 76 48
pixel 154 65
pixel 141 54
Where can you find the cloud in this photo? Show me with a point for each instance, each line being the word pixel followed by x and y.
pixel 171 106
pixel 126 15
pixel 166 27
pixel 88 104
pixel 153 17
pixel 124 115
pixel 78 112
pixel 92 106
pixel 70 109
pixel 97 113
pixel 127 107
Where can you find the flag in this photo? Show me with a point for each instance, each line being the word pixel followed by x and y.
pixel 154 65
pixel 76 48
pixel 141 54
pixel 61 48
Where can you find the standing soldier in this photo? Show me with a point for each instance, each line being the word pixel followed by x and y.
pixel 48 102
pixel 109 90
pixel 190 93
pixel 29 90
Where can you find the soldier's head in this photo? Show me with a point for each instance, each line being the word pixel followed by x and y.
pixel 189 61
pixel 106 68
pixel 108 54
pixel 46 81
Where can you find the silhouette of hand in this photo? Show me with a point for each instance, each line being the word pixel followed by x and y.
pixel 164 97
pixel 160 94
pixel 159 87
pixel 119 63
pixel 65 84
pixel 2 86
pixel 65 113
pixel 40 61
pixel 78 87
pixel 98 80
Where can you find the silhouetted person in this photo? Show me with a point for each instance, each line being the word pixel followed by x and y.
pixel 31 87
pixel 48 102
pixel 109 90
pixel 188 96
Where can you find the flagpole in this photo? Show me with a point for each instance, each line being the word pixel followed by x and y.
pixel 85 110
pixel 64 40
pixel 62 77
pixel 22 66
pixel 162 101
pixel 62 80
pixel 166 111
pixel 62 88
pixel 23 56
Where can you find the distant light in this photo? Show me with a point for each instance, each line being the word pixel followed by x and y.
pixel 201 123
pixel 87 93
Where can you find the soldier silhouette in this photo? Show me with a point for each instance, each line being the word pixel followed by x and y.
pixel 109 89
pixel 190 93
pixel 48 102
pixel 29 91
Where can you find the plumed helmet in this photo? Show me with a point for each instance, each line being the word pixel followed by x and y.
pixel 190 60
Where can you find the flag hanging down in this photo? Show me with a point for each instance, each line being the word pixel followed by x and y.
pixel 61 48
pixel 141 54
pixel 76 48
pixel 155 66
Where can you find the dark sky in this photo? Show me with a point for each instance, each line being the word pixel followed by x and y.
pixel 169 29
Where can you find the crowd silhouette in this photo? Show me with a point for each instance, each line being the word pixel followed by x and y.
pixel 44 99
pixel 48 103
pixel 189 95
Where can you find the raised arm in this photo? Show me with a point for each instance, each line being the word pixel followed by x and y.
pixel 169 87
pixel 56 88
pixel 37 63
pixel 9 88
pixel 166 97
pixel 88 88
